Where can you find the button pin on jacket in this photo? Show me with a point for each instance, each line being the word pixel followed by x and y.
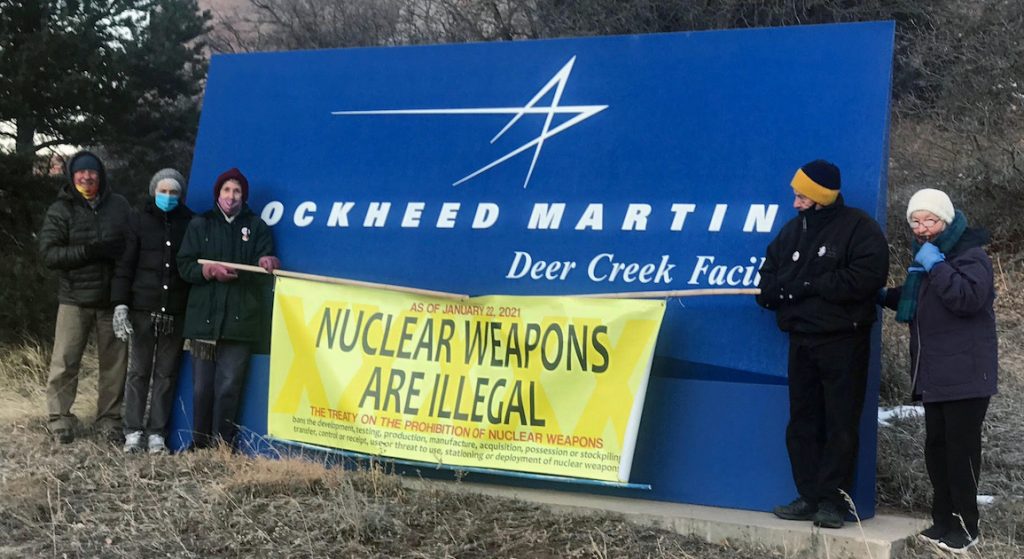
pixel 245 234
pixel 796 255
pixel 821 251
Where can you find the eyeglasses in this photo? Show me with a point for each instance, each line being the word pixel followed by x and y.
pixel 926 223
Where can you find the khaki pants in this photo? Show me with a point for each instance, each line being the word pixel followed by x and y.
pixel 74 324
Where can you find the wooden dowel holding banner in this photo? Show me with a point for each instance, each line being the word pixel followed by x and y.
pixel 232 265
pixel 463 297
pixel 677 293
pixel 341 281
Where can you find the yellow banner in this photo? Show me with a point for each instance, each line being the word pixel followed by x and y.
pixel 550 385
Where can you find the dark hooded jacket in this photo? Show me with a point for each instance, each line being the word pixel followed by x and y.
pixel 71 224
pixel 953 344
pixel 146 277
pixel 231 310
pixel 841 255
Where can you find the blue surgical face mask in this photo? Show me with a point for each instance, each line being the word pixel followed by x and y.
pixel 166 202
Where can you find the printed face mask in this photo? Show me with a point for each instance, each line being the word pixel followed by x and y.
pixel 166 202
pixel 229 206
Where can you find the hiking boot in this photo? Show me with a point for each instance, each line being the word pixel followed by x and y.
pixel 64 436
pixel 133 442
pixel 156 444
pixel 958 541
pixel 932 534
pixel 828 515
pixel 799 509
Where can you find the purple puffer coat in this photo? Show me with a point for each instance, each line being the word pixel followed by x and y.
pixel 953 345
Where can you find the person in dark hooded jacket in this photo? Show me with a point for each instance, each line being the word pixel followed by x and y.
pixel 149 297
pixel 81 237
pixel 947 300
pixel 820 276
pixel 223 319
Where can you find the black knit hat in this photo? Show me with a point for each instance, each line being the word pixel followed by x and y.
pixel 85 162
pixel 818 180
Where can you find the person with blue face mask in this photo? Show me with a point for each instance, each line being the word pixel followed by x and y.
pixel 150 297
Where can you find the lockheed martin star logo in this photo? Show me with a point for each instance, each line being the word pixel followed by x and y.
pixel 580 112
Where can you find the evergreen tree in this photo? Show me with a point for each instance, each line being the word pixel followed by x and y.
pixel 100 72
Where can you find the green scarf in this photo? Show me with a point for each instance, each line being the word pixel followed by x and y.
pixel 946 240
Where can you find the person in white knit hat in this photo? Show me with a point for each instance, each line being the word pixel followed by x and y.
pixel 934 202
pixel 947 302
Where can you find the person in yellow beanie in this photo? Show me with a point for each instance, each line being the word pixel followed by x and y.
pixel 820 276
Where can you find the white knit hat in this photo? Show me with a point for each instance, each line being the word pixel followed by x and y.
pixel 934 201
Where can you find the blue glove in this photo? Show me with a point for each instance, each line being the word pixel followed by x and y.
pixel 929 256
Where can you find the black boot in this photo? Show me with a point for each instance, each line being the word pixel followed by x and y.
pixel 799 509
pixel 828 516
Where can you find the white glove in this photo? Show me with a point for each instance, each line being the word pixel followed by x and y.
pixel 122 326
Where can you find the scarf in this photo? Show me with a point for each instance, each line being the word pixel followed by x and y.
pixel 203 349
pixel 87 192
pixel 907 309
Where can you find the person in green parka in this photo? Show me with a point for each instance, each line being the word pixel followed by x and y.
pixel 224 313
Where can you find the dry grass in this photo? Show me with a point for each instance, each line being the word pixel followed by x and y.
pixel 23 371
pixel 90 500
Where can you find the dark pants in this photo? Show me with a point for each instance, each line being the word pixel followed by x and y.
pixel 827 379
pixel 149 377
pixel 217 392
pixel 952 453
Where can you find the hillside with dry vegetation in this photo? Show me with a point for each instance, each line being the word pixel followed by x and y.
pixel 957 124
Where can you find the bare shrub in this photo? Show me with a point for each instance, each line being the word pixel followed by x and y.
pixel 254 478
pixel 24 365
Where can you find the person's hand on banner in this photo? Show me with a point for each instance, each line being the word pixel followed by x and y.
pixel 797 291
pixel 269 263
pixel 219 272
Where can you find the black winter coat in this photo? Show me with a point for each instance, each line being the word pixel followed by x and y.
pixel 953 346
pixel 71 224
pixel 843 256
pixel 146 276
pixel 231 310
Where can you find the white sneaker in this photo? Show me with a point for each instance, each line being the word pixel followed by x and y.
pixel 133 442
pixel 156 444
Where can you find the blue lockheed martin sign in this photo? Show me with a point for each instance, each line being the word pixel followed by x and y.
pixel 633 163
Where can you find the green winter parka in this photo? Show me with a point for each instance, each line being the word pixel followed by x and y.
pixel 230 310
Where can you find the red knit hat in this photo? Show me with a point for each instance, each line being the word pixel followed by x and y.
pixel 231 174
